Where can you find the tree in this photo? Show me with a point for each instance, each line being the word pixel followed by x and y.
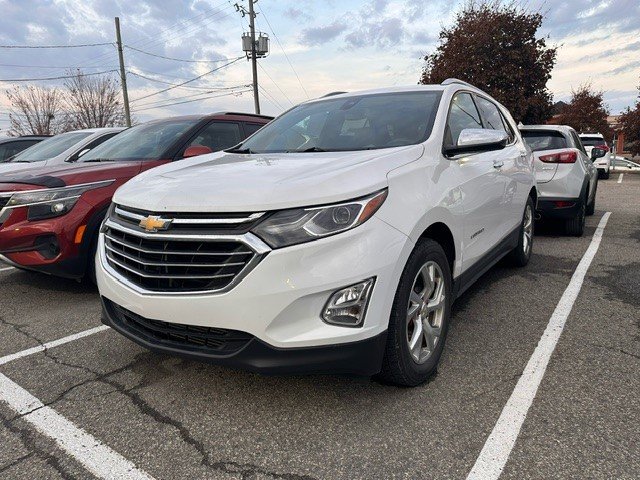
pixel 630 123
pixel 93 101
pixel 494 47
pixel 587 112
pixel 36 111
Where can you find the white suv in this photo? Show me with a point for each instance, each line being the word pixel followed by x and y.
pixel 335 239
pixel 603 164
pixel 566 176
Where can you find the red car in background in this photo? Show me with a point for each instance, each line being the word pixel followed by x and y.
pixel 50 217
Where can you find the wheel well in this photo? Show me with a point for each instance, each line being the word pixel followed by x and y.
pixel 534 195
pixel 440 233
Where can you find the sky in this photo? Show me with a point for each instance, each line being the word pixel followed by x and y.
pixel 316 47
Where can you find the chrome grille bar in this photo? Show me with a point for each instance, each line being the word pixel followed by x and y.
pixel 219 220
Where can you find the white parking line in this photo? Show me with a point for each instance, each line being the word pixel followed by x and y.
pixel 620 178
pixel 497 448
pixel 55 343
pixel 96 457
pixel 7 269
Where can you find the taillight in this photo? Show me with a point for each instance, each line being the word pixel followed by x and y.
pixel 560 157
pixel 602 147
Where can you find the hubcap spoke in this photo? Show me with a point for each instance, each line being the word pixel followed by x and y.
pixel 415 344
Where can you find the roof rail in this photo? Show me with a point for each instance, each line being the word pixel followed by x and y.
pixel 331 94
pixel 450 81
pixel 248 114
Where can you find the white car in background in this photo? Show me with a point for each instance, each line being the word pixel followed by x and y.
pixel 619 164
pixel 334 239
pixel 603 164
pixel 61 148
pixel 566 176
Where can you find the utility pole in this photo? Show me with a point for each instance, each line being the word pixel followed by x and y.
pixel 254 60
pixel 123 76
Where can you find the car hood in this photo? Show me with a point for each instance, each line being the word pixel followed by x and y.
pixel 72 174
pixel 255 182
pixel 10 167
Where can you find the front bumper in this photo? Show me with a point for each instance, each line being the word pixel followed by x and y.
pixel 358 358
pixel 48 246
pixel 280 301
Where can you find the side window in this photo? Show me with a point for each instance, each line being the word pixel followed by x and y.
pixel 91 145
pixel 508 128
pixel 491 115
pixel 251 128
pixel 218 136
pixel 463 114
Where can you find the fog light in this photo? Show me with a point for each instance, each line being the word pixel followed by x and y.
pixel 347 306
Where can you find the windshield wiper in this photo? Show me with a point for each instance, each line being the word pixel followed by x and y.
pixel 93 160
pixel 310 149
pixel 239 150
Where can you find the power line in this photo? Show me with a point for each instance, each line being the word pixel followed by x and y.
pixel 211 90
pixel 176 59
pixel 270 97
pixel 57 46
pixel 164 82
pixel 188 81
pixel 285 53
pixel 276 84
pixel 53 78
pixel 60 67
pixel 240 92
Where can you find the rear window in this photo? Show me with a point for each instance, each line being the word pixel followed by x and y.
pixel 592 141
pixel 544 140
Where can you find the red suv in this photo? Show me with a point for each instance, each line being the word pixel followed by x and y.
pixel 50 216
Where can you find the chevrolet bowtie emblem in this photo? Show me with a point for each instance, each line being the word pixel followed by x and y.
pixel 153 223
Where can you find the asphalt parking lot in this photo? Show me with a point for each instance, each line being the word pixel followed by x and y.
pixel 172 418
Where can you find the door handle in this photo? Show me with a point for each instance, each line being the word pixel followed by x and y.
pixel 498 163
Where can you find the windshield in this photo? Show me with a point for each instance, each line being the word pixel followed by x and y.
pixel 50 147
pixel 544 140
pixel 363 122
pixel 148 141
pixel 592 141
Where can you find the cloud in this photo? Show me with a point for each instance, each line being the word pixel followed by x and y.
pixel 315 36
pixel 296 14
pixel 627 67
pixel 387 32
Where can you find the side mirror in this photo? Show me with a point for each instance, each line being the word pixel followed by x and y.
pixel 597 153
pixel 195 150
pixel 475 140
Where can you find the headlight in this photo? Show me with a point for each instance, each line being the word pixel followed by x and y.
pixel 51 202
pixel 290 227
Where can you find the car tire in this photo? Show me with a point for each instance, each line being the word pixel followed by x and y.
pixel 425 283
pixel 606 174
pixel 575 225
pixel 591 206
pixel 90 271
pixel 519 256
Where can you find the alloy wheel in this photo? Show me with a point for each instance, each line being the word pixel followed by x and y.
pixel 426 311
pixel 527 230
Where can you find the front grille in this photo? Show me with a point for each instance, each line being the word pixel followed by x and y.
pixel 4 199
pixel 197 223
pixel 176 261
pixel 193 338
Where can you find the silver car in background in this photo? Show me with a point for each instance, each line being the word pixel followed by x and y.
pixel 61 148
pixel 566 176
